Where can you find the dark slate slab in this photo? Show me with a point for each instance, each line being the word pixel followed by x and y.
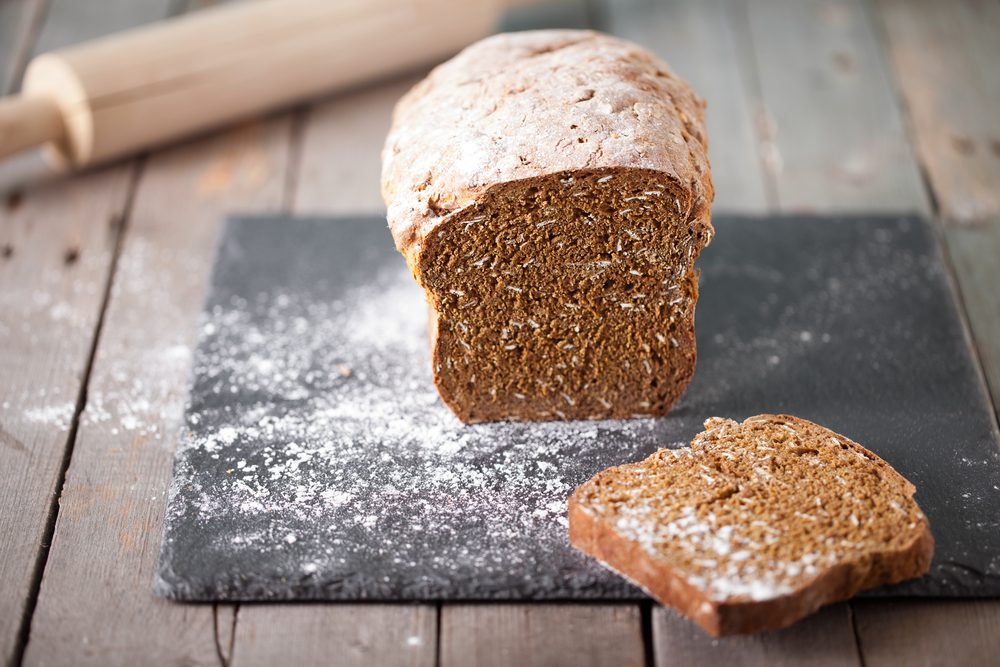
pixel 317 462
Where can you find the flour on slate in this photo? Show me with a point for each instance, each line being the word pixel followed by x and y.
pixel 318 462
pixel 340 461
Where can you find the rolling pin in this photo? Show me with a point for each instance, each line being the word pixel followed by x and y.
pixel 144 87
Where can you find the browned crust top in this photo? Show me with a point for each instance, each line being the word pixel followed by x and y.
pixel 528 104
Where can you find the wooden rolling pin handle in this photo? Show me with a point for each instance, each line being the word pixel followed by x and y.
pixel 28 121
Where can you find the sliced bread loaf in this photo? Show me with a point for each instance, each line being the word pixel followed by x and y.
pixel 755 525
pixel 550 191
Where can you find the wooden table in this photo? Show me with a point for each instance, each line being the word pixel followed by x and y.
pixel 819 105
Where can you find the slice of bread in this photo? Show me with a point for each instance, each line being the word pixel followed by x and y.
pixel 755 525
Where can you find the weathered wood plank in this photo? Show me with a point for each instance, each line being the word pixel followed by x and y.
pixel 929 632
pixel 945 56
pixel 19 23
pixel 342 139
pixel 825 639
pixel 56 249
pixel 96 602
pixel 56 253
pixel 541 635
pixel 829 103
pixel 697 38
pixel 349 635
pixel 70 22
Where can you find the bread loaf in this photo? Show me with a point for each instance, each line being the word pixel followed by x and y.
pixel 756 524
pixel 550 191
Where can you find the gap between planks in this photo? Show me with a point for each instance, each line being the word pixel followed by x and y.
pixel 71 199
pixel 107 538
pixel 942 56
pixel 134 171
pixel 569 634
pixel 54 348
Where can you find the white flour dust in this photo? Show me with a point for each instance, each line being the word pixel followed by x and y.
pixel 315 435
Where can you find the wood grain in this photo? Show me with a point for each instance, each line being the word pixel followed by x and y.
pixel 697 39
pixel 349 635
pixel 57 247
pixel 829 109
pixel 541 635
pixel 146 88
pixel 945 56
pixel 825 639
pixel 96 602
pixel 340 167
pixel 929 632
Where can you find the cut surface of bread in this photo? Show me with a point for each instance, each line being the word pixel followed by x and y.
pixel 755 525
pixel 550 191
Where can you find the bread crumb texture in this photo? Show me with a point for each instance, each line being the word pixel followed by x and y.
pixel 755 525
pixel 551 192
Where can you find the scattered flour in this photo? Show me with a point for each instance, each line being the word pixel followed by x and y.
pixel 292 466
pixel 59 415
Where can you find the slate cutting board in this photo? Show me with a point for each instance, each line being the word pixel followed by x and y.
pixel 316 461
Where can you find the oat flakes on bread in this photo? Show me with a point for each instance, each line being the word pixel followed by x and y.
pixel 755 525
pixel 550 191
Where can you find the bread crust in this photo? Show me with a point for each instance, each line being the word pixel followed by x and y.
pixel 841 581
pixel 503 111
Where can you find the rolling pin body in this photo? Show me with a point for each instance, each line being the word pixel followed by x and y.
pixel 148 86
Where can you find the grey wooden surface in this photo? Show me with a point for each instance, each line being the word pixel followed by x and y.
pixel 819 105
pixel 19 24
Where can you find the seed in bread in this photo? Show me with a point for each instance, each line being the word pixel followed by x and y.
pixel 550 191
pixel 755 525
